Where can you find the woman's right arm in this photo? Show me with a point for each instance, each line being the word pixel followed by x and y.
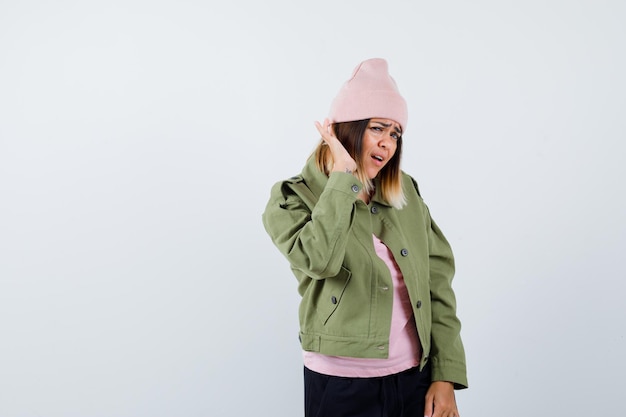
pixel 313 241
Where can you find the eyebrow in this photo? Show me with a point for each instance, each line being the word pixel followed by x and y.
pixel 398 130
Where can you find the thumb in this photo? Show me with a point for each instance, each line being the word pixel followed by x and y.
pixel 429 406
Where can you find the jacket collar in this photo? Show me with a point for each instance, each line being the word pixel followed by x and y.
pixel 316 181
pixel 314 178
pixel 378 195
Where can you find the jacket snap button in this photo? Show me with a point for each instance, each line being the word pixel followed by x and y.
pixel 355 188
pixel 333 299
pixel 419 304
pixel 374 210
pixel 404 252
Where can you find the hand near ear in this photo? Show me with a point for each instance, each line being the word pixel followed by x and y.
pixel 342 161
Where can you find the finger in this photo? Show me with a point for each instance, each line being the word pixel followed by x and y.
pixel 319 128
pixel 327 125
pixel 326 133
pixel 323 129
pixel 428 409
pixel 443 410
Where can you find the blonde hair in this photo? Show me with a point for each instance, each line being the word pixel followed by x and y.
pixel 350 134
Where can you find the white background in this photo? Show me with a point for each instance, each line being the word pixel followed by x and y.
pixel 139 141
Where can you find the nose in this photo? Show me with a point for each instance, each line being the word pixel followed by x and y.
pixel 385 141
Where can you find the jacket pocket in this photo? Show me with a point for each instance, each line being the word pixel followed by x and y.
pixel 332 293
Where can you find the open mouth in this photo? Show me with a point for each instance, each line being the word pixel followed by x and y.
pixel 379 159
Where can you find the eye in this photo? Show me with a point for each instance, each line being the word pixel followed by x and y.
pixel 377 128
pixel 396 136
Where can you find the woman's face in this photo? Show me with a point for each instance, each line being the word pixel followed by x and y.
pixel 379 145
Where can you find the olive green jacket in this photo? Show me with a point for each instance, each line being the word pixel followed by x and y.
pixel 325 231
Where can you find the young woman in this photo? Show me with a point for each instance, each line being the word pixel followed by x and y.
pixel 378 323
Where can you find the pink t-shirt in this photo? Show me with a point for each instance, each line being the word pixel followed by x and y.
pixel 404 344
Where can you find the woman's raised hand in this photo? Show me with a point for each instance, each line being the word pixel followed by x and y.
pixel 342 161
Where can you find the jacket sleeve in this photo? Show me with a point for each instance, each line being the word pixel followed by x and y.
pixel 447 352
pixel 313 240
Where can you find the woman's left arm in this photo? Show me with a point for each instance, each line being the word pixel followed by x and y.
pixel 447 354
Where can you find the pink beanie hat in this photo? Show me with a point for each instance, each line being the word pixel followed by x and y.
pixel 369 93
